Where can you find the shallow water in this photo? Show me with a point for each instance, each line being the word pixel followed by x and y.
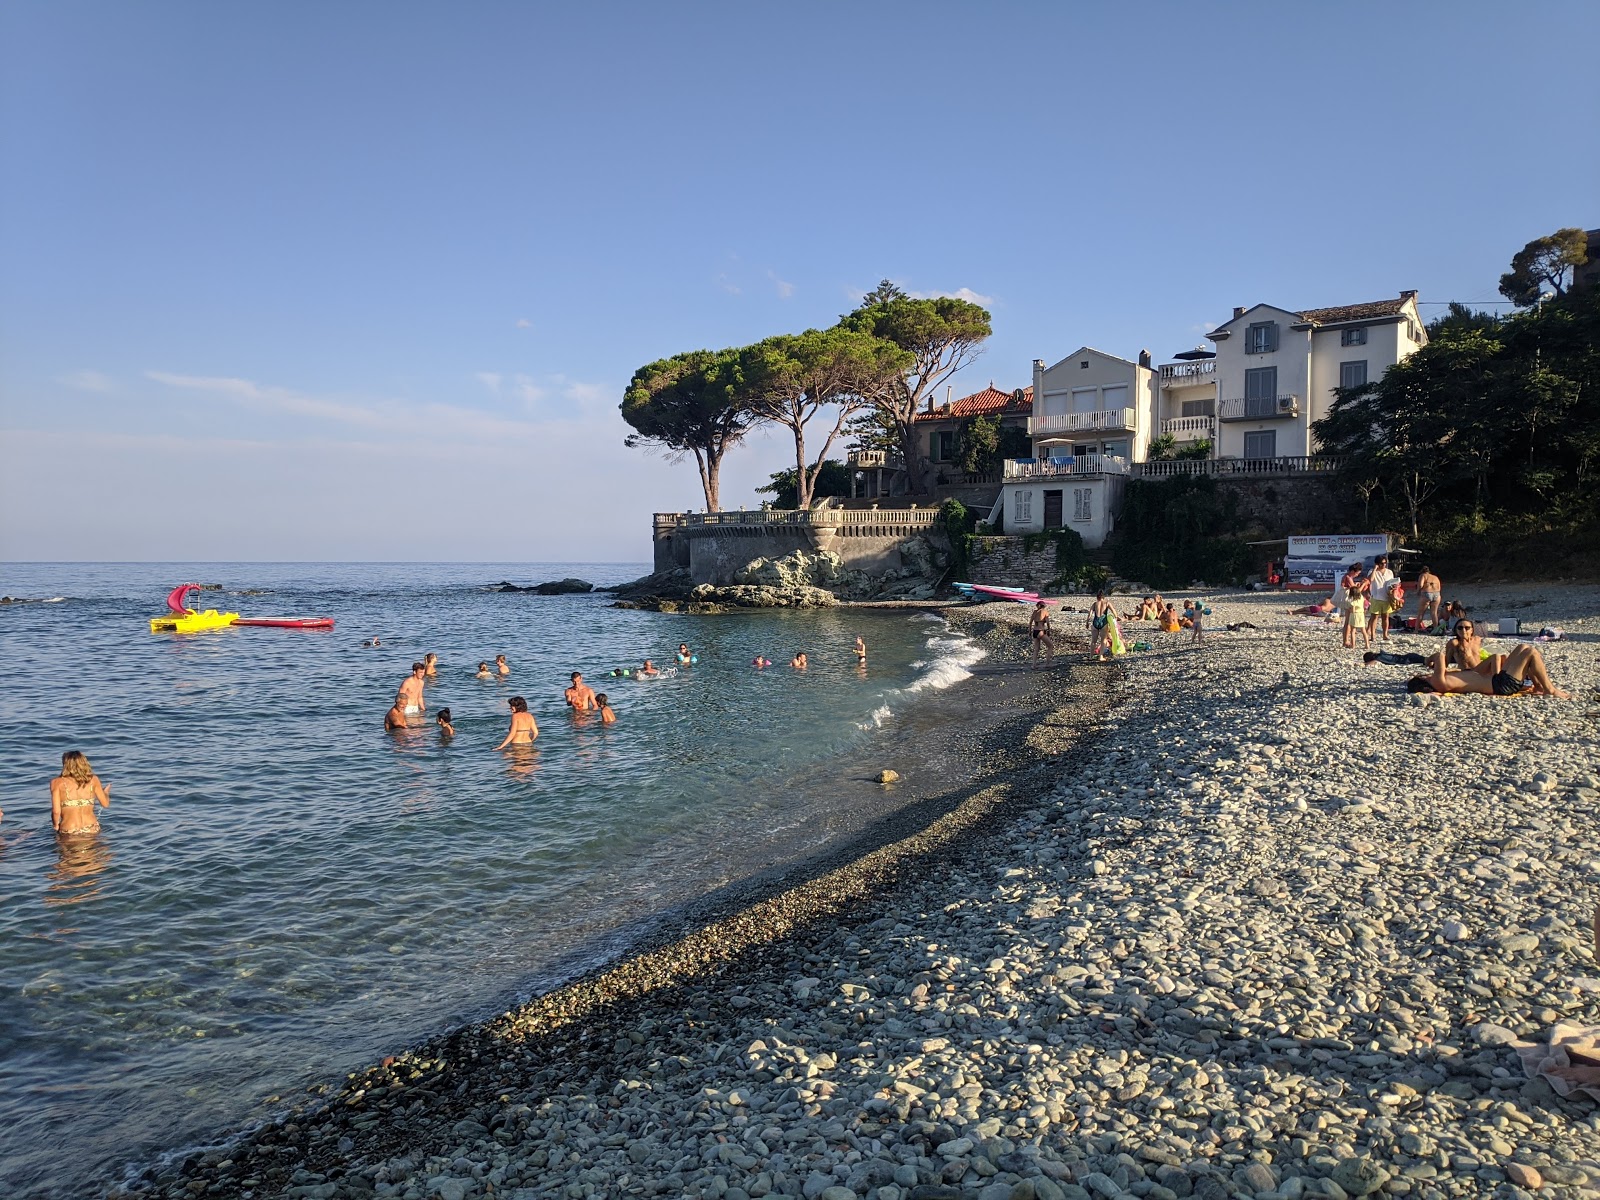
pixel 282 892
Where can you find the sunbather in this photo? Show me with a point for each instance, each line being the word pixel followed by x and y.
pixel 1520 673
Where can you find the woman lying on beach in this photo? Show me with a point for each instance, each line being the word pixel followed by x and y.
pixel 523 727
pixel 73 795
pixel 1520 673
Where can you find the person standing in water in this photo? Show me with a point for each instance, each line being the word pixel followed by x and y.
pixel 861 652
pixel 73 795
pixel 648 671
pixel 684 657
pixel 430 665
pixel 580 695
pixel 798 662
pixel 483 671
pixel 607 716
pixel 409 698
pixel 501 665
pixel 395 718
pixel 523 727
pixel 446 729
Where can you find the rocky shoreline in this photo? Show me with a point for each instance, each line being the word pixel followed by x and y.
pixel 1266 928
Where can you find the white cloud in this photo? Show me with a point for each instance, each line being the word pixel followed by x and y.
pixel 966 294
pixel 530 392
pixel 784 288
pixel 524 323
pixel 88 381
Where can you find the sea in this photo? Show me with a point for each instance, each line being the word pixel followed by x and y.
pixel 281 892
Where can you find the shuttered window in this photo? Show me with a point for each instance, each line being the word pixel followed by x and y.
pixel 1082 502
pixel 1353 374
pixel 1261 337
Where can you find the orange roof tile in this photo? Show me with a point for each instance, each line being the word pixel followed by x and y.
pixel 989 402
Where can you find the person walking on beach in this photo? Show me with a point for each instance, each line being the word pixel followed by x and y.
pixel 1039 633
pixel 580 695
pixel 1355 617
pixel 502 665
pixel 1429 590
pixel 409 697
pixel 73 795
pixel 523 727
pixel 1100 615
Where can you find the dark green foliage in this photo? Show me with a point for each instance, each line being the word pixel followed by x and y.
pixel 1073 568
pixel 1174 531
pixel 1544 262
pixel 1493 426
pixel 1166 448
pixel 832 480
pixel 693 403
pixel 959 524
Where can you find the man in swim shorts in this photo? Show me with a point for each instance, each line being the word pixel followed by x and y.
pixel 395 718
pixel 580 695
pixel 1039 632
pixel 409 699
pixel 649 670
pixel 1520 673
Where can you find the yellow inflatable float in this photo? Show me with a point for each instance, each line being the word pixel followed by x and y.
pixel 181 619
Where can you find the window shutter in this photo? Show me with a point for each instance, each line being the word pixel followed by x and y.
pixel 1272 337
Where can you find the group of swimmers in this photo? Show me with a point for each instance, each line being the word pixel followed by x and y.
pixel 410 700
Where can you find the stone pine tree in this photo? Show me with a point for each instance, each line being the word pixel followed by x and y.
pixel 941 335
pixel 792 379
pixel 1544 263
pixel 690 404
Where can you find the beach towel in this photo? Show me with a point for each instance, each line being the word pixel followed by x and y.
pixel 1116 639
pixel 1570 1045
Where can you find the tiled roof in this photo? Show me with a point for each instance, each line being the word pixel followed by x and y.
pixel 1354 312
pixel 990 401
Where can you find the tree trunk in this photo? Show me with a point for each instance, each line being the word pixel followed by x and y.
pixel 710 464
pixel 915 485
pixel 803 482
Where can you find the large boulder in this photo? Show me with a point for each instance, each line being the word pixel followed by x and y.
pixel 744 595
pixel 795 569
pixel 563 587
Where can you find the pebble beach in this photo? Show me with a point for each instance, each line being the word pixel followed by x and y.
pixel 1243 920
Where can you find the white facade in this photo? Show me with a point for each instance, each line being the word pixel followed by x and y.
pixel 1093 403
pixel 1276 370
pixel 1086 502
pixel 1186 401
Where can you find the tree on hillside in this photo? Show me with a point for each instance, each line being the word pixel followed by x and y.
pixel 834 479
pixel 941 335
pixel 792 378
pixel 1544 262
pixel 886 291
pixel 691 403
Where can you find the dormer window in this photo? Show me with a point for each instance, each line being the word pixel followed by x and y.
pixel 1261 337
pixel 1353 337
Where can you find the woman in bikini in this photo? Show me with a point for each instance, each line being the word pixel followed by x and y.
pixel 1464 651
pixel 73 795
pixel 523 727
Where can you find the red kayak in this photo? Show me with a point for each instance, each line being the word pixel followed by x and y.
pixel 288 622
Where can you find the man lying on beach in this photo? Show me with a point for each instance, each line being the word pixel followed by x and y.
pixel 1520 673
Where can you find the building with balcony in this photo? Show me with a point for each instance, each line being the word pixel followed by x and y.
pixel 1276 369
pixel 1186 398
pixel 940 427
pixel 1093 404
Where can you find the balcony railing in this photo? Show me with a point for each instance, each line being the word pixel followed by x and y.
pixel 1190 429
pixel 1047 468
pixel 867 459
pixel 1258 408
pixel 1110 418
pixel 1284 465
pixel 1187 374
pixel 815 517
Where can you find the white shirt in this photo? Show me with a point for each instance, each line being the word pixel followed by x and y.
pixel 1382 580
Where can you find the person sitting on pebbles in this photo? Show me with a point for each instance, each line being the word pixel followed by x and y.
pixel 1520 673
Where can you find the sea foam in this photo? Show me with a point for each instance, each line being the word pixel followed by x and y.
pixel 948 662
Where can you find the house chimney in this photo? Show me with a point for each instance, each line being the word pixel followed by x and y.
pixel 1038 364
pixel 1410 294
pixel 1238 312
pixel 1144 359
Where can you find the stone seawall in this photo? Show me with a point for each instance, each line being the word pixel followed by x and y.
pixel 714 549
pixel 1007 562
pixel 1280 505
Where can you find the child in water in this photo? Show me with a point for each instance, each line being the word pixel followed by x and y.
pixel 483 671
pixel 607 715
pixel 430 665
pixel 760 661
pixel 446 730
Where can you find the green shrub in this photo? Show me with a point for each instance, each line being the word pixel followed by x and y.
pixel 1173 531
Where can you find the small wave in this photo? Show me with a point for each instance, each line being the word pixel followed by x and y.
pixel 951 658
pixel 934 617
pixel 879 716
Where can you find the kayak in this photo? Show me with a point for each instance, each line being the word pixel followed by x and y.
pixel 287 622
pixel 1019 596
pixel 192 622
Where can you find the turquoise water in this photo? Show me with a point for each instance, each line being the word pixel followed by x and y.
pixel 282 892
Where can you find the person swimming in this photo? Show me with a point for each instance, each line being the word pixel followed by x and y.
pixel 684 657
pixel 649 670
pixel 483 671
pixel 372 642
pixel 580 695
pixel 760 661
pixel 446 729
pixel 501 665
pixel 798 662
pixel 607 716
pixel 73 795
pixel 523 727
pixel 430 664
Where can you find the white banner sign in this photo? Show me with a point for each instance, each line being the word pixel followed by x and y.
pixel 1317 562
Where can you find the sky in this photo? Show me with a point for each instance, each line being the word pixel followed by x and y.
pixel 365 281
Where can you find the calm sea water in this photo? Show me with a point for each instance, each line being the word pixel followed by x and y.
pixel 281 891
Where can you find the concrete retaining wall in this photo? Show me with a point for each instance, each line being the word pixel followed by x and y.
pixel 713 553
pixel 1005 562
pixel 1280 505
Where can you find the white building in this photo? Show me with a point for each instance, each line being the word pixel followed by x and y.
pixel 1276 370
pixel 1092 402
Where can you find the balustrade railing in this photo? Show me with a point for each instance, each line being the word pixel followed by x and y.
pixel 1190 427
pixel 1258 408
pixel 1082 464
pixel 1110 418
pixel 1294 464
pixel 814 517
pixel 1180 374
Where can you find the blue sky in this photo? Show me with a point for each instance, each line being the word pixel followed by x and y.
pixel 365 280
